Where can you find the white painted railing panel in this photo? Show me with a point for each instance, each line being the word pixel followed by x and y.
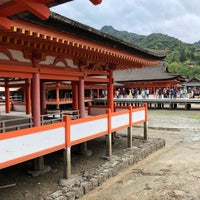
pixel 97 111
pixel 119 120
pixel 17 147
pixel 138 116
pixel 87 129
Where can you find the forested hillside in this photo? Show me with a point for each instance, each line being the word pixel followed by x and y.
pixel 184 58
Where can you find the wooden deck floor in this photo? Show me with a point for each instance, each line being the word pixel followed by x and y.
pixel 179 103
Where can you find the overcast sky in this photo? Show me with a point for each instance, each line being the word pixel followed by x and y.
pixel 176 18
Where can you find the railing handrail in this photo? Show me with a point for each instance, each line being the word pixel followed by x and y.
pixel 11 120
pixel 45 119
pixel 4 126
pixel 64 134
pixel 16 127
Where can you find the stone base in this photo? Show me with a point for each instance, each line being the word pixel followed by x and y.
pixel 93 178
pixel 87 153
pixel 33 173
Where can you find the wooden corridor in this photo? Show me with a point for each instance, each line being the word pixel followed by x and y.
pixel 153 103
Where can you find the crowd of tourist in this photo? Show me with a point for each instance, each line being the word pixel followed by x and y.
pixel 158 93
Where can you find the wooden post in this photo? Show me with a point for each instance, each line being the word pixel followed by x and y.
pixel 109 145
pixel 145 130
pixel 43 97
pixel 67 163
pixel 91 96
pixel 130 137
pixel 81 104
pixel 38 162
pixel 146 121
pixel 110 92
pixel 81 100
pixel 67 150
pixel 75 95
pixel 110 96
pixel 129 129
pixel 7 96
pixel 28 96
pixel 36 99
pixel 109 136
pixel 57 96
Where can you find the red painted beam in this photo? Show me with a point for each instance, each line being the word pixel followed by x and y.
pixel 37 8
pixel 96 2
pixel 5 23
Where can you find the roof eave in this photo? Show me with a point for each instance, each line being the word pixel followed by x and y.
pixel 66 25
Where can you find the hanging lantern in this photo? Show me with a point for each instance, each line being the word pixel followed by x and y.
pixel 96 2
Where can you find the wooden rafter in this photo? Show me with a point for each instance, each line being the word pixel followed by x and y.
pixel 36 7
pixel 9 8
pixel 5 23
pixel 63 46
pixel 39 8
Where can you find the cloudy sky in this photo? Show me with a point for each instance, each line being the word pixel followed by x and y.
pixel 176 18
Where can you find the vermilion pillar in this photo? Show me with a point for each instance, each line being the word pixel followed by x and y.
pixel 75 97
pixel 81 103
pixel 36 99
pixel 7 96
pixel 110 92
pixel 91 93
pixel 57 96
pixel 38 162
pixel 28 96
pixel 111 107
pixel 98 93
pixel 43 97
pixel 81 100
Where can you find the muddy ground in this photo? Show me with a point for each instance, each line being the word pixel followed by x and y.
pixel 170 173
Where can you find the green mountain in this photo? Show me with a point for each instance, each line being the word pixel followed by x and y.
pixel 197 43
pixel 124 35
pixel 182 55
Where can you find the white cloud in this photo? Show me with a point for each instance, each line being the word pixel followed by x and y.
pixel 176 18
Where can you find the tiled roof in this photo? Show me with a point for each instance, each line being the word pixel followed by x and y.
pixel 66 25
pixel 192 82
pixel 144 74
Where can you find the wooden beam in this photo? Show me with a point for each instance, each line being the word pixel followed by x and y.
pixel 58 77
pixel 12 68
pixel 5 23
pixel 15 74
pixel 60 72
pixel 96 80
pixel 96 2
pixel 37 8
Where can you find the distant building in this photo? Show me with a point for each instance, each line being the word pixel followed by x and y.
pixel 148 77
pixel 193 85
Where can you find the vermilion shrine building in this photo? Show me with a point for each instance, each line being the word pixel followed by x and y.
pixel 151 78
pixel 44 47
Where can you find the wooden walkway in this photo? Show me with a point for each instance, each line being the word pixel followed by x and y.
pixel 183 103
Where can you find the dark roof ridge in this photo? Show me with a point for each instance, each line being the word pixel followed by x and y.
pixel 67 25
pixel 156 53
